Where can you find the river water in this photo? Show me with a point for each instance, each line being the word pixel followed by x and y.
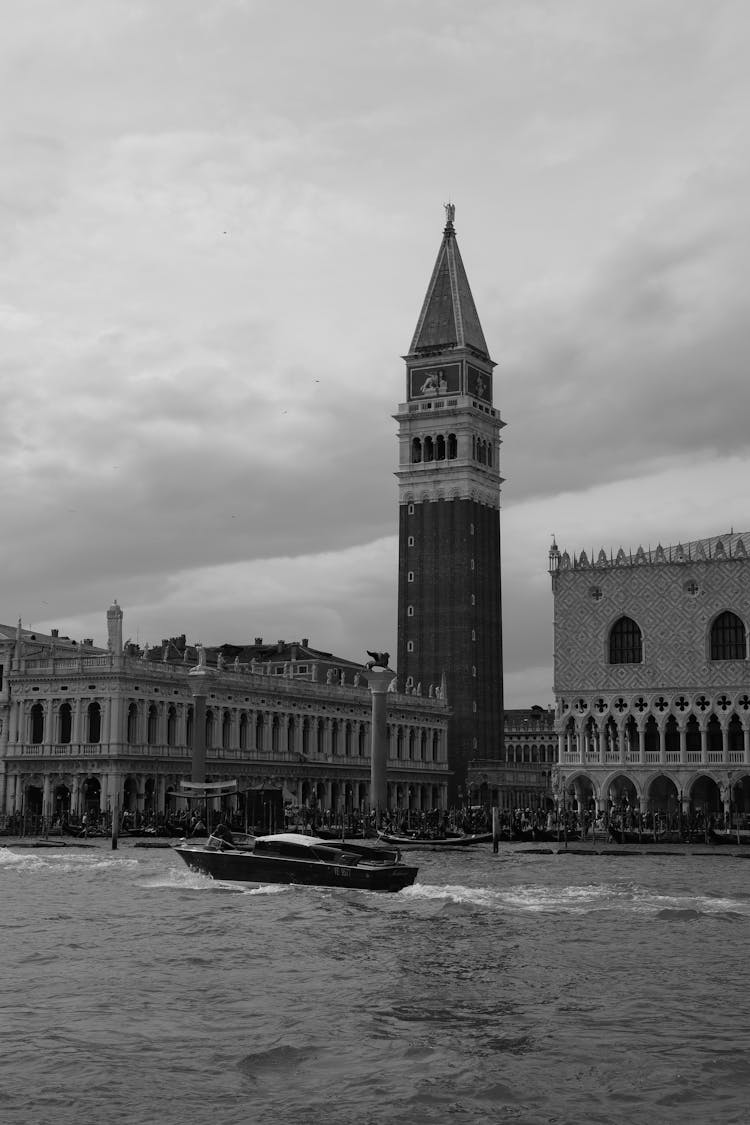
pixel 513 987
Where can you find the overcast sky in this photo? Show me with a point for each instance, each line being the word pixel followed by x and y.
pixel 218 219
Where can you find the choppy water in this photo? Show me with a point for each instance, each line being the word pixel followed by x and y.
pixel 516 987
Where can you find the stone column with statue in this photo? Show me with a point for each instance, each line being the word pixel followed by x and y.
pixel 200 678
pixel 379 677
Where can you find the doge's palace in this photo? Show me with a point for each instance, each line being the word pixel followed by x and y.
pixel 651 676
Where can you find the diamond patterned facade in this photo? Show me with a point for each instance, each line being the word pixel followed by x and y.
pixel 670 722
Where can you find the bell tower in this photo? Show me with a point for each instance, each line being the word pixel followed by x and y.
pixel 449 604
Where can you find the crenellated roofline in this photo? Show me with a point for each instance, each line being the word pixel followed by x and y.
pixel 716 548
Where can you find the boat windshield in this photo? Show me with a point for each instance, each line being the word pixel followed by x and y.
pixel 242 840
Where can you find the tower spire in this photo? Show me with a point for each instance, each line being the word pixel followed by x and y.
pixel 449 317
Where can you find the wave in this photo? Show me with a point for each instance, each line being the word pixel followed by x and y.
pixel 693 906
pixel 62 862
pixel 539 898
pixel 177 878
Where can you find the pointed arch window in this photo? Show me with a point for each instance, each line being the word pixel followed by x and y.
pixel 625 642
pixel 728 638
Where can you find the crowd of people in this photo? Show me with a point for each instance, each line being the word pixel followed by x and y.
pixel 512 824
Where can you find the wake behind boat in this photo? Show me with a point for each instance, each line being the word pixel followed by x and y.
pixel 419 840
pixel 290 857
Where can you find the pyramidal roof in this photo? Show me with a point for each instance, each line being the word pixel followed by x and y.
pixel 449 316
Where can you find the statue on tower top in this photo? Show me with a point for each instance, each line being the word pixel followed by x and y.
pixel 450 212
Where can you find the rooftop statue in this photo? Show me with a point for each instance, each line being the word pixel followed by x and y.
pixel 379 660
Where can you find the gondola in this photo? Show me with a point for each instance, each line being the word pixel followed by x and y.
pixel 729 836
pixel 645 836
pixel 422 841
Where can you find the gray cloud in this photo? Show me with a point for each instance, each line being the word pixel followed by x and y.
pixel 646 365
pixel 218 222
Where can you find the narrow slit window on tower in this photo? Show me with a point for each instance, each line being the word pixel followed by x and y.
pixel 410 510
pixel 410 576
pixel 410 541
pixel 410 611
pixel 410 646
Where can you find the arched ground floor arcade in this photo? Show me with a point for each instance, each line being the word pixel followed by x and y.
pixel 672 796
pixel 146 792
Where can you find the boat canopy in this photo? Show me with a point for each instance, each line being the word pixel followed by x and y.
pixel 207 788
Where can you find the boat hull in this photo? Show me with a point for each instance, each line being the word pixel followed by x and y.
pixel 648 836
pixel 250 867
pixel 437 843
pixel 729 836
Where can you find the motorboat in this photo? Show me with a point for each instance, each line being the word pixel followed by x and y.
pixel 291 857
pixel 420 840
